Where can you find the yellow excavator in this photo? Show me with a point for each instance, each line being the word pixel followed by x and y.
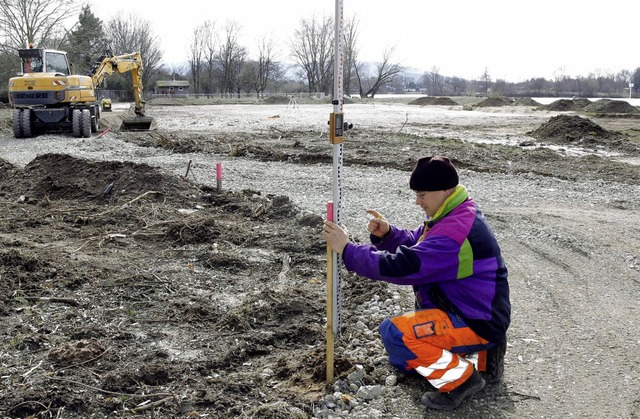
pixel 47 97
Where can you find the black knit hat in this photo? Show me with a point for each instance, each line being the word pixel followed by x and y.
pixel 435 173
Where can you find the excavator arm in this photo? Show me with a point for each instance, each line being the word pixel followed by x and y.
pixel 108 64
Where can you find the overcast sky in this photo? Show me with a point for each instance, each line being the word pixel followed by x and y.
pixel 514 40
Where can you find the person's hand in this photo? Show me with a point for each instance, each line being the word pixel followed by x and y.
pixel 336 236
pixel 378 226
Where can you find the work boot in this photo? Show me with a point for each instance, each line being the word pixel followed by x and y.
pixel 495 363
pixel 449 401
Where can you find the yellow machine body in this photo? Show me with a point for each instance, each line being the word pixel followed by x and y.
pixel 46 96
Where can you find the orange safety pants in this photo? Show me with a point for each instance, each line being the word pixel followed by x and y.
pixel 434 343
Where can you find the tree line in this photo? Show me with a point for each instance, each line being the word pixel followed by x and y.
pixel 217 62
pixel 624 83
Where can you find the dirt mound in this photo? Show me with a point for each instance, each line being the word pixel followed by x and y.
pixel 494 102
pixel 6 170
pixel 526 101
pixel 581 102
pixel 561 105
pixel 611 106
pixel 203 269
pixel 433 100
pixel 60 176
pixel 571 129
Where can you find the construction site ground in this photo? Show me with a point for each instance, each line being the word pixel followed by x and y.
pixel 133 283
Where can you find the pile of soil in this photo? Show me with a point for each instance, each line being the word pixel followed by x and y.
pixel 609 106
pixel 562 105
pixel 526 101
pixel 571 129
pixel 494 102
pixel 433 100
pixel 581 102
pixel 60 176
pixel 90 259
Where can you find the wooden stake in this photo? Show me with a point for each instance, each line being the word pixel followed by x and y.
pixel 330 308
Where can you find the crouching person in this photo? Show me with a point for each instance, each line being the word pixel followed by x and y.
pixel 456 338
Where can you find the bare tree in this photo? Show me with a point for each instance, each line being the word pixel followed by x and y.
pixel 458 85
pixel 249 76
pixel 277 76
pixel 385 72
pixel 635 79
pixel 486 80
pixel 37 22
pixel 435 81
pixel 210 49
pixel 196 53
pixel 265 66
pixel 350 52
pixel 132 34
pixel 621 81
pixel 312 49
pixel 230 58
pixel 498 88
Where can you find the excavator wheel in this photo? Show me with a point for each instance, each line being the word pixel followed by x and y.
pixel 17 123
pixel 76 122
pixel 86 123
pixel 27 127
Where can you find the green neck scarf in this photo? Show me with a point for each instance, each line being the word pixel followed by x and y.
pixel 458 196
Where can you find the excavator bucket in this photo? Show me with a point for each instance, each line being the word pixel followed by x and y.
pixel 137 123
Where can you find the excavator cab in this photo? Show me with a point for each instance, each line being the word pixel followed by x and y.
pixel 39 60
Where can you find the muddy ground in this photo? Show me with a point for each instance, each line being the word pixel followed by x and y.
pixel 131 285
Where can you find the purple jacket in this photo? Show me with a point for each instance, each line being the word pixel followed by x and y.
pixel 456 267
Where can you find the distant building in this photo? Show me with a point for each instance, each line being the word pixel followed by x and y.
pixel 172 87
